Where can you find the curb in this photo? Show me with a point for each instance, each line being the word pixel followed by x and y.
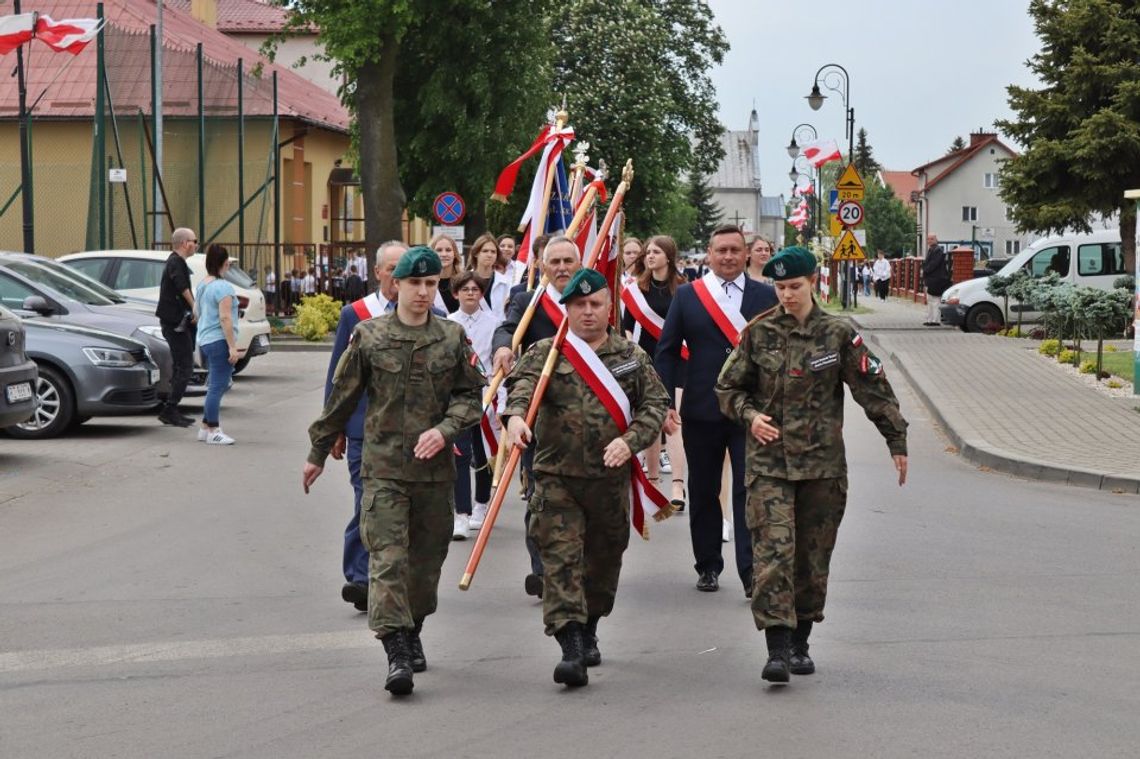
pixel 301 346
pixel 1000 460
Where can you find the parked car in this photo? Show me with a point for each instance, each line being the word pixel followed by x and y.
pixel 1095 259
pixel 137 274
pixel 17 372
pixel 990 267
pixel 82 373
pixel 35 292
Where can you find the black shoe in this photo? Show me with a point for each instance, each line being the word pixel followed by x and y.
pixel 748 583
pixel 399 681
pixel 416 648
pixel 777 669
pixel 708 582
pixel 171 416
pixel 188 419
pixel 533 585
pixel 571 670
pixel 590 653
pixel 799 662
pixel 355 593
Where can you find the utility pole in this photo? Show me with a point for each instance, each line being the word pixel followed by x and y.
pixel 158 206
pixel 26 193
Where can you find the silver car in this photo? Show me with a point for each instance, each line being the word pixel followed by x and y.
pixel 84 373
pixel 17 372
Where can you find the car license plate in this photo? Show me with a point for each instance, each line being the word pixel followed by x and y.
pixel 152 376
pixel 21 391
pixel 262 340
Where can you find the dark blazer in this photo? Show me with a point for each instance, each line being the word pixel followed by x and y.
pixel 688 321
pixel 540 326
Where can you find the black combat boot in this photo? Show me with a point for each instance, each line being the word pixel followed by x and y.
pixel 799 662
pixel 591 654
pixel 416 647
pixel 779 644
pixel 399 682
pixel 572 669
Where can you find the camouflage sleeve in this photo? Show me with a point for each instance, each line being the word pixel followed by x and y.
pixel 649 408
pixel 737 382
pixel 349 382
pixel 466 404
pixel 864 374
pixel 523 379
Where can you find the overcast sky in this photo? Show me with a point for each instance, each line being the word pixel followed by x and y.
pixel 922 72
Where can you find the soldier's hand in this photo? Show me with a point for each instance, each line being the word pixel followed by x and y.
pixel 672 422
pixel 430 443
pixel 900 467
pixel 763 431
pixel 309 475
pixel 518 433
pixel 341 443
pixel 504 359
pixel 616 453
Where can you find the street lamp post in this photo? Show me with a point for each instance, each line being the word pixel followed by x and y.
pixel 801 165
pixel 799 132
pixel 835 76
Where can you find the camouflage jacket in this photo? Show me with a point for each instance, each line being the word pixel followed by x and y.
pixel 573 428
pixel 416 378
pixel 795 375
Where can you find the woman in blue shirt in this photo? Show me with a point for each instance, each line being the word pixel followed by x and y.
pixel 217 306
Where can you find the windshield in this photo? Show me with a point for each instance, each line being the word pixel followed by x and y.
pixel 235 275
pixel 80 278
pixel 63 285
pixel 1015 263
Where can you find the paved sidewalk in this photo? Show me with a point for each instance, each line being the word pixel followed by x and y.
pixel 1004 408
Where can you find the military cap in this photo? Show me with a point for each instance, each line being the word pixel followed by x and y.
pixel 420 261
pixel 789 263
pixel 584 282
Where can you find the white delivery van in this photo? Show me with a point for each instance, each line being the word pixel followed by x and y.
pixel 1095 259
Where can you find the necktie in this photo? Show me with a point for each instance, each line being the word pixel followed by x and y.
pixel 390 307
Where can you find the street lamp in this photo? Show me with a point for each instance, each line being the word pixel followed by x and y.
pixel 793 147
pixel 793 174
pixel 835 77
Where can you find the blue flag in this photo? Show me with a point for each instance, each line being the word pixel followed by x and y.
pixel 561 210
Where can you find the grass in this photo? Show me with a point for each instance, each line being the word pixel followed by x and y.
pixel 1119 363
pixel 836 307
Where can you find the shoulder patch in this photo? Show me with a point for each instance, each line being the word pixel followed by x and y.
pixel 857 340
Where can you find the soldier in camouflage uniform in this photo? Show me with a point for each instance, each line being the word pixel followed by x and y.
pixel 784 381
pixel 423 383
pixel 580 508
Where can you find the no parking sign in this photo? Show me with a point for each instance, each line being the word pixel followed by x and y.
pixel 448 208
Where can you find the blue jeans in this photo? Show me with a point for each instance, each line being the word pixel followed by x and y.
pixel 217 355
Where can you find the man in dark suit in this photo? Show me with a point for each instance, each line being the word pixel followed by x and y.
pixel 702 316
pixel 560 259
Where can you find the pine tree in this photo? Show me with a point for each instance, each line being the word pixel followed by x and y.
pixel 709 213
pixel 956 145
pixel 865 162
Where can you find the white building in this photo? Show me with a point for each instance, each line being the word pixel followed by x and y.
pixel 736 186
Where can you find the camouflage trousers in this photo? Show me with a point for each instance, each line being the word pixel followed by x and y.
pixel 581 528
pixel 794 524
pixel 406 527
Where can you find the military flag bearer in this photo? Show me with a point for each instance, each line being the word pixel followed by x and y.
pixel 423 383
pixel 784 382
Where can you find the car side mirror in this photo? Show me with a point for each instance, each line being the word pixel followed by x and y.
pixel 38 304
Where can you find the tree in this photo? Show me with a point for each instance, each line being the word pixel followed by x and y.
pixel 1082 128
pixel 678 218
pixel 865 162
pixel 956 145
pixel 636 78
pixel 890 223
pixel 708 213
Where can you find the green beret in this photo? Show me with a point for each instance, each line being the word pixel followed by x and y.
pixel 584 282
pixel 420 261
pixel 789 263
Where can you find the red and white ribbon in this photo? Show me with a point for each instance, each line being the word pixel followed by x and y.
pixel 369 307
pixel 715 300
pixel 650 321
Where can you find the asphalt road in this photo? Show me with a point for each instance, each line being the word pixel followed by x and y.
pixel 159 598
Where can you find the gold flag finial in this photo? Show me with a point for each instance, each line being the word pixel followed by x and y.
pixel 627 172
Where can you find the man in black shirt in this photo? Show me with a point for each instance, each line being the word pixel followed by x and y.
pixel 175 311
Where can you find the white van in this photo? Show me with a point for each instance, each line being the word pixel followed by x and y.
pixel 1095 259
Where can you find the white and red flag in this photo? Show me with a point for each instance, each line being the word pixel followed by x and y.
pixel 645 500
pixel 69 35
pixel 15 31
pixel 552 141
pixel 821 152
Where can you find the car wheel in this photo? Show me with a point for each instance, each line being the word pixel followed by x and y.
pixel 55 407
pixel 241 364
pixel 983 317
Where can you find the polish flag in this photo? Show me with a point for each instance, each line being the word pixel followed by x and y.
pixel 70 35
pixel 821 151
pixel 15 31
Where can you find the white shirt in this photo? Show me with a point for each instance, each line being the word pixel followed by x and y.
pixel 270 282
pixel 361 264
pixel 480 327
pixel 881 269
pixel 734 289
pixel 500 291
pixel 310 284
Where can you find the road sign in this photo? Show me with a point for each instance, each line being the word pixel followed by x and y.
pixel 448 208
pixel 850 184
pixel 116 175
pixel 455 233
pixel 850 213
pixel 848 248
pixel 833 201
pixel 836 225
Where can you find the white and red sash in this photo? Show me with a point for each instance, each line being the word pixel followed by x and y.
pixel 369 307
pixel 715 300
pixel 489 430
pixel 644 499
pixel 554 310
pixel 650 320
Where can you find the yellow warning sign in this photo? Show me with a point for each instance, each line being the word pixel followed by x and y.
pixel 848 248
pixel 850 185
pixel 836 226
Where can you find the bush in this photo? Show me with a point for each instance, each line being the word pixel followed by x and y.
pixel 1011 332
pixel 1115 384
pixel 1110 349
pixel 1067 357
pixel 317 315
pixel 1087 367
pixel 1050 347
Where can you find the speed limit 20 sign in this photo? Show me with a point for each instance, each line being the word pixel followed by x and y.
pixel 850 213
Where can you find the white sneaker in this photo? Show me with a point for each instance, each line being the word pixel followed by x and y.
pixel 217 437
pixel 666 465
pixel 726 532
pixel 478 515
pixel 202 434
pixel 461 526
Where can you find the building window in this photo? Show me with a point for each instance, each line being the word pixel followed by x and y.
pixel 1012 247
pixel 989 180
pixel 969 213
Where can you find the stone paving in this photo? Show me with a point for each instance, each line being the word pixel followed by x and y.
pixel 1004 408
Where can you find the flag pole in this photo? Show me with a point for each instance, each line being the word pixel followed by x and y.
pixel 539 224
pixel 540 390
